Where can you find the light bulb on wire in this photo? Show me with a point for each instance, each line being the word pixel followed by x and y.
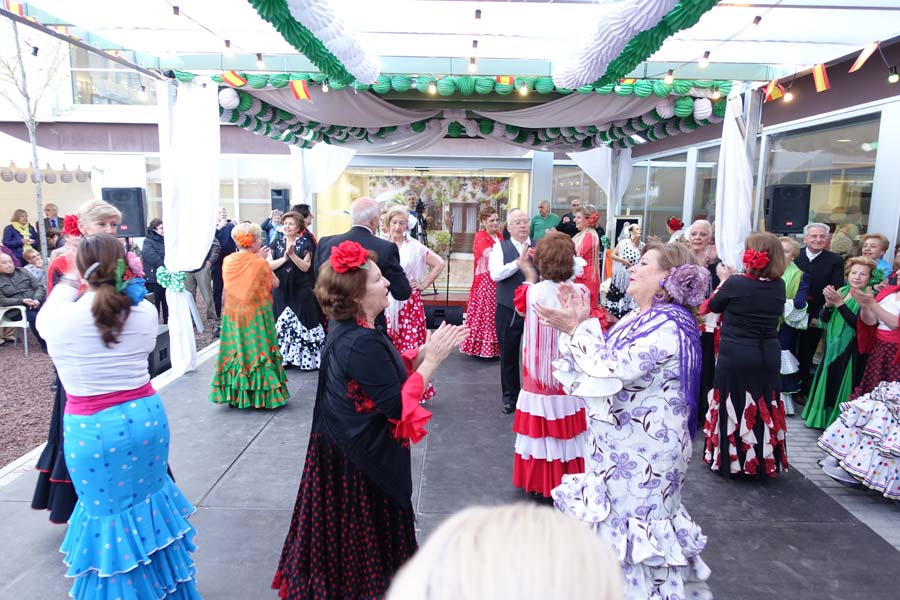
pixel 325 87
pixel 259 61
pixel 473 65
pixel 893 76
pixel 704 62
pixel 788 96
pixel 716 95
pixel 756 20
pixel 523 89
pixel 227 52
pixel 670 77
pixel 143 93
pixel 432 88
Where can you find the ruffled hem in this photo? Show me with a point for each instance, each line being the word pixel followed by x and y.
pixel 541 476
pixel 480 348
pixel 146 582
pixel 535 426
pixel 548 448
pixel 658 556
pixel 549 406
pixel 299 346
pixel 263 385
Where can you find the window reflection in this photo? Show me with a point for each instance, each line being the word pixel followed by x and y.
pixel 96 80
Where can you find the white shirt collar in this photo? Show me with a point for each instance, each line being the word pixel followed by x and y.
pixel 810 254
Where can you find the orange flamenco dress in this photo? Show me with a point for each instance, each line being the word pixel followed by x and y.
pixel 249 372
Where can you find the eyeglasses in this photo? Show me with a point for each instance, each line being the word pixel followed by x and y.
pixel 519 222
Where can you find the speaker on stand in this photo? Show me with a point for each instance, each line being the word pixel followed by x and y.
pixel 281 200
pixel 132 203
pixel 787 208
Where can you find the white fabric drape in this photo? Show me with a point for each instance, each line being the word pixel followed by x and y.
pixel 610 168
pixel 189 154
pixel 575 110
pixel 314 170
pixel 734 189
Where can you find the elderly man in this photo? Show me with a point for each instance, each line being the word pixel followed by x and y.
pixel 824 268
pixel 51 217
pixel 17 287
pixel 542 222
pixel 567 223
pixel 364 217
pixel 504 262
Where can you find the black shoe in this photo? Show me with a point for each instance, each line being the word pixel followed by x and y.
pixel 508 408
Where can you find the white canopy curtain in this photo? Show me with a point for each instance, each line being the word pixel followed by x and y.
pixel 734 188
pixel 189 156
pixel 315 169
pixel 575 110
pixel 610 168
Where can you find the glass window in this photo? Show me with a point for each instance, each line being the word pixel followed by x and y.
pixel 96 80
pixel 571 182
pixel 257 177
pixel 837 161
pixel 705 184
pixel 665 194
pixel 154 187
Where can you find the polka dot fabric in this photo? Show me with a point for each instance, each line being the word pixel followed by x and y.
pixel 347 538
pixel 299 346
pixel 411 333
pixel 128 536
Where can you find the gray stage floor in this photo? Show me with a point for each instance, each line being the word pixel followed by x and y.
pixel 775 539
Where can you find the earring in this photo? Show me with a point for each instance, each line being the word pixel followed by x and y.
pixel 660 296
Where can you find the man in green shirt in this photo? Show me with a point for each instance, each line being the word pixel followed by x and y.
pixel 540 223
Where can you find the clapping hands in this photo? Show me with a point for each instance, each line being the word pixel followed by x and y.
pixel 442 340
pixel 574 308
pixel 832 296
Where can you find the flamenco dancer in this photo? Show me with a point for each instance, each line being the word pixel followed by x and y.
pixel 482 341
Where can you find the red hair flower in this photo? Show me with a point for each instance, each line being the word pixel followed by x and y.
pixel 674 223
pixel 756 260
pixel 245 239
pixel 70 225
pixel 593 220
pixel 349 256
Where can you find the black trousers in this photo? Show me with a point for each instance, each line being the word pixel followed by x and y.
pixel 218 286
pixel 159 299
pixel 510 326
pixel 807 342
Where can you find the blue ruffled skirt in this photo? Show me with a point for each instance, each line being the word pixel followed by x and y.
pixel 128 536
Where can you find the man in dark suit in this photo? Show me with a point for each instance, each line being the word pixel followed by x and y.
pixel 504 268
pixel 364 218
pixel 52 219
pixel 824 268
pixel 567 223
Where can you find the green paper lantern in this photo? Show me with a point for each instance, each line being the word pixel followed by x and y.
pixel 422 83
pixel 623 89
pixel 703 83
pixel 235 117
pixel 383 85
pixel 465 85
pixel 661 89
pixel 605 89
pixel 183 76
pixel 401 83
pixel 725 87
pixel 682 87
pixel 563 91
pixel 684 106
pixel 544 85
pixel 446 86
pixel 337 85
pixel 279 80
pixel 257 82
pixel 503 89
pixel 486 127
pixel 585 89
pixel 217 78
pixel 361 87
pixel 318 77
pixel 419 126
pixel 643 88
pixel 720 107
pixel 522 137
pixel 553 131
pixel 455 129
pixel 484 85
pixel 245 101
pixel 283 115
pixel 512 130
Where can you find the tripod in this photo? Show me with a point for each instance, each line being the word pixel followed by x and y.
pixel 422 235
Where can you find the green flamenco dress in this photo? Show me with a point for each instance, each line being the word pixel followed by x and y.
pixel 841 367
pixel 249 371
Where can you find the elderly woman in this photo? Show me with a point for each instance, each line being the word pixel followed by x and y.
pixel 298 320
pixel 19 288
pixel 482 341
pixel 130 517
pixel 248 373
pixel 873 246
pixel 627 252
pixel 879 312
pixel 54 490
pixel 18 236
pixel 353 523
pixel 406 318
pixel 796 286
pixel 745 428
pixel 699 240
pixel 842 365
pixel 640 384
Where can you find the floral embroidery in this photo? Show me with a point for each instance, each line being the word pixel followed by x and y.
pixel 361 401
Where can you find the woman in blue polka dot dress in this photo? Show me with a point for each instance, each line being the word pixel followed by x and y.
pixel 128 536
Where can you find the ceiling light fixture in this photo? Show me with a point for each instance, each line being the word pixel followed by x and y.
pixel 893 76
pixel 228 51
pixel 176 11
pixel 638 139
pixel 670 76
pixel 34 50
pixel 704 62
pixel 756 20
pixel 432 88
pixel 259 61
pixel 473 66
pixel 523 89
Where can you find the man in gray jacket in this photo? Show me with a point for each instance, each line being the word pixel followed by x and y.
pixel 17 287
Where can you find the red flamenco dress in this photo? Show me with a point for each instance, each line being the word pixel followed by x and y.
pixel 550 425
pixel 353 521
pixel 587 245
pixel 482 305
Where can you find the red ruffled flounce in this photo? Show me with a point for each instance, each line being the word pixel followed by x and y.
pixel 541 476
pixel 538 427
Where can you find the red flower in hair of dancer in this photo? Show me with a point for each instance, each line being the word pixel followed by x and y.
pixel 756 260
pixel 70 225
pixel 674 223
pixel 349 256
pixel 593 220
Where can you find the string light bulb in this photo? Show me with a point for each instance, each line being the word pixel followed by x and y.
pixel 474 44
pixel 523 89
pixel 788 96
pixel 34 50
pixel 716 95
pixel 477 14
pixel 228 51
pixel 325 87
pixel 176 11
pixel 893 76
pixel 704 62
pixel 756 20
pixel 473 66
pixel 670 77
pixel 259 61
pixel 432 88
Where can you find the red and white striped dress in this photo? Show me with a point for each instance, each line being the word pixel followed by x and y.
pixel 482 306
pixel 550 425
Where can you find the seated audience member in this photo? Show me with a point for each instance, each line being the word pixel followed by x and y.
pixel 8 252
pixel 54 240
pixel 34 264
pixel 17 287
pixel 513 552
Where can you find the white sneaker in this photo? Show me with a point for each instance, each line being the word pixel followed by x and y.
pixel 788 405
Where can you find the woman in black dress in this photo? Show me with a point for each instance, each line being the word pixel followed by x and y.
pixel 745 424
pixel 298 321
pixel 353 522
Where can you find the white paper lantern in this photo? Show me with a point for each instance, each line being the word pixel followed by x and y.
pixel 702 109
pixel 665 108
pixel 228 98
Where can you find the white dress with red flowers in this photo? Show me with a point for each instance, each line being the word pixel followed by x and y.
pixel 550 425
pixel 406 318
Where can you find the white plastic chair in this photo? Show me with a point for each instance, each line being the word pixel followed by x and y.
pixel 5 321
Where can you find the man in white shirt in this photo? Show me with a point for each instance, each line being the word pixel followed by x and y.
pixel 504 268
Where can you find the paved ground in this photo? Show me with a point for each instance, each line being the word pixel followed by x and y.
pixel 785 538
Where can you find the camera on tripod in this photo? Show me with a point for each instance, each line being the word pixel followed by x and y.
pixel 422 225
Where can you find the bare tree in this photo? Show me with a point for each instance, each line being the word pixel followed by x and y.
pixel 23 86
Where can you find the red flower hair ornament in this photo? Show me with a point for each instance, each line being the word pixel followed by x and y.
pixel 756 260
pixel 70 225
pixel 349 256
pixel 593 220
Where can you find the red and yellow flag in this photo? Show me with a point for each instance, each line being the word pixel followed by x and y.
pixel 17 8
pixel 505 79
pixel 774 91
pixel 628 81
pixel 64 29
pixel 234 79
pixel 820 76
pixel 300 89
pixel 863 57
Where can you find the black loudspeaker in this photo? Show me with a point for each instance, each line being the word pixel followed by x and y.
pixel 132 203
pixel 787 208
pixel 160 359
pixel 435 315
pixel 281 200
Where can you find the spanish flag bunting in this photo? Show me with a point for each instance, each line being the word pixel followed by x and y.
pixel 820 76
pixel 234 79
pixel 15 7
pixel 300 89
pixel 863 57
pixel 628 81
pixel 774 91
pixel 61 29
pixel 505 79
